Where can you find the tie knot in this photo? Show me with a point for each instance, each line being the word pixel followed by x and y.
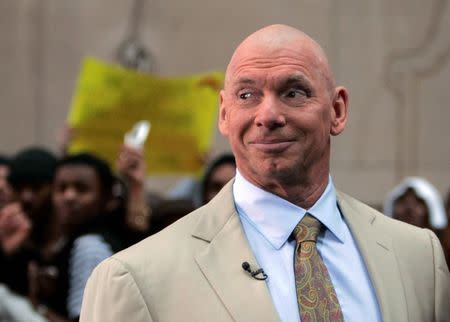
pixel 307 229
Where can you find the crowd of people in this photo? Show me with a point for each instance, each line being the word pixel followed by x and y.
pixel 61 216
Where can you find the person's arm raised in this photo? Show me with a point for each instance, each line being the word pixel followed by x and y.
pixel 131 166
pixel 15 228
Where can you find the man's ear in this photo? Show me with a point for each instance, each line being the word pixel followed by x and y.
pixel 223 117
pixel 339 111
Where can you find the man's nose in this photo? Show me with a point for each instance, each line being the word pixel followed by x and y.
pixel 270 113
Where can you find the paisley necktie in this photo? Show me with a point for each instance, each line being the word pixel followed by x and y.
pixel 316 296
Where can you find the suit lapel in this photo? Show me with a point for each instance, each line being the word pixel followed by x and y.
pixel 379 256
pixel 245 298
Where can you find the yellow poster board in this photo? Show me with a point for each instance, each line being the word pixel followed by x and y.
pixel 109 100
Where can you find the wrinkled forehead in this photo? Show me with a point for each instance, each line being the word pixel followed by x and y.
pixel 294 51
pixel 284 58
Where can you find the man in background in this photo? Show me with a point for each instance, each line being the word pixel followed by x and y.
pixel 27 223
pixel 31 177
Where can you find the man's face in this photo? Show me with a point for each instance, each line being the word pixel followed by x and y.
pixel 5 188
pixel 277 112
pixel 35 198
pixel 77 195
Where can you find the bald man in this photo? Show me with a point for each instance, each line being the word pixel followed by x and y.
pixel 279 242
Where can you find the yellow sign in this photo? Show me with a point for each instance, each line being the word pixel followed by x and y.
pixel 109 100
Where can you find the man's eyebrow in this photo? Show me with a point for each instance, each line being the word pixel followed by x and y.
pixel 297 79
pixel 245 81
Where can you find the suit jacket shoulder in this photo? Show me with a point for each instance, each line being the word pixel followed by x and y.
pixel 406 264
pixel 190 271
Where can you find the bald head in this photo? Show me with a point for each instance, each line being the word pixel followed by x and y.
pixel 277 40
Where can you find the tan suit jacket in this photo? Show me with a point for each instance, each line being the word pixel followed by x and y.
pixel 192 271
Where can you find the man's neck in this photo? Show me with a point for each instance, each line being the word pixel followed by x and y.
pixel 303 193
pixel 304 196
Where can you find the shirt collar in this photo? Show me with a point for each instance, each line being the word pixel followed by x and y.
pixel 275 218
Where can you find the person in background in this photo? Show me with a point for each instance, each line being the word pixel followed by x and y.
pixel 417 202
pixel 27 225
pixel 168 211
pixel 135 206
pixel 217 174
pixel 82 200
pixel 5 188
pixel 131 168
pixel 15 228
pixel 132 204
pixel 16 250
pixel 15 255
pixel 187 188
pixel 195 190
pixel 31 177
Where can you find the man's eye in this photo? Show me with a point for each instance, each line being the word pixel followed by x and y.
pixel 295 93
pixel 245 96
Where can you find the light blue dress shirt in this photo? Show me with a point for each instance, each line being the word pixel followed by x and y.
pixel 269 220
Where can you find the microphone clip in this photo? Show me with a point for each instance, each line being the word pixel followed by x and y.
pixel 259 274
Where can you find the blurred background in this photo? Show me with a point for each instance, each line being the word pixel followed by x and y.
pixel 393 56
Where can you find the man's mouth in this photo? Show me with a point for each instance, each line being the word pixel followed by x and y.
pixel 272 145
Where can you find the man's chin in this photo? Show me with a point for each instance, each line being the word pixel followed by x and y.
pixel 279 173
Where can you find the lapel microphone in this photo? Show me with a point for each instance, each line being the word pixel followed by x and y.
pixel 257 275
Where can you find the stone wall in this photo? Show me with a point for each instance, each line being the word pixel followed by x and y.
pixel 393 56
